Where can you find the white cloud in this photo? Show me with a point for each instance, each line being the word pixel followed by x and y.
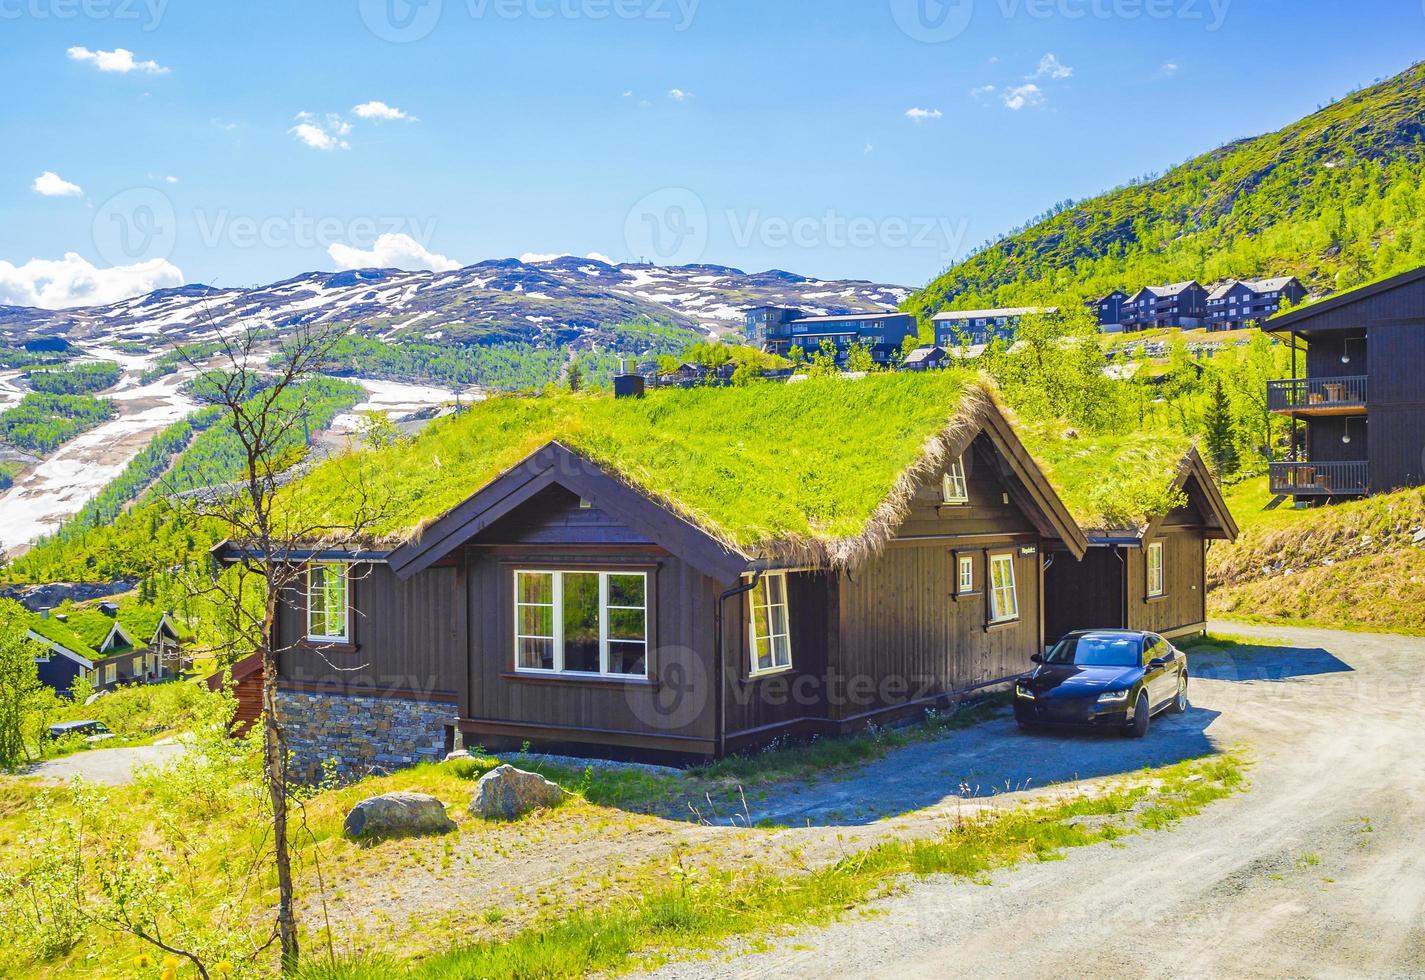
pixel 51 184
pixel 120 60
pixel 678 95
pixel 328 133
pixel 392 251
pixel 628 94
pixel 1022 96
pixel 600 257
pixel 918 115
pixel 72 281
pixel 381 111
pixel 1051 67
pixel 982 93
pixel 1169 69
pixel 870 148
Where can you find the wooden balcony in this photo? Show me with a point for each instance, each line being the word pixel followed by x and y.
pixel 1318 396
pixel 1321 479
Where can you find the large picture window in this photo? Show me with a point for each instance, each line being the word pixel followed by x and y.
pixel 1004 593
pixel 574 622
pixel 1157 585
pixel 327 602
pixel 770 631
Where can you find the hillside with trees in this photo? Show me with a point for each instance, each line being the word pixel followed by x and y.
pixel 42 423
pixel 1333 199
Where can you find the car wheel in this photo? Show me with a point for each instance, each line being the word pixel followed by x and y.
pixel 1180 703
pixel 1138 727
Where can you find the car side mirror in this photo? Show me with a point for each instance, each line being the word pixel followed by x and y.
pixel 1157 663
pixel 1038 658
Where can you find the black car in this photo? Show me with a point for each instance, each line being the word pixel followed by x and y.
pixel 78 728
pixel 1108 679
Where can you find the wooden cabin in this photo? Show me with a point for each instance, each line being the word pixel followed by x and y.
pixel 594 598
pixel 1356 398
pixel 1149 573
pixel 112 645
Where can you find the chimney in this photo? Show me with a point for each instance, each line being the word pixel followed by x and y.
pixel 44 612
pixel 629 384
pixel 109 609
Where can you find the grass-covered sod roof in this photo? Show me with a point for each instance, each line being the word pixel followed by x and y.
pixel 813 460
pixel 1114 482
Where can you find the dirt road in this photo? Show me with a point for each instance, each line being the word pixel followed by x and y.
pixel 1319 870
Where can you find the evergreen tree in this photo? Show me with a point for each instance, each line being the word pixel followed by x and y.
pixel 1221 442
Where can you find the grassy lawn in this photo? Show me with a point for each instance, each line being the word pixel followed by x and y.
pixel 561 892
pixel 685 909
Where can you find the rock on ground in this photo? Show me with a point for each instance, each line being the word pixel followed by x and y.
pixel 398 815
pixel 508 793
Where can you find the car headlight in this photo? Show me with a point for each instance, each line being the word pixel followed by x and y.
pixel 1020 691
pixel 1113 697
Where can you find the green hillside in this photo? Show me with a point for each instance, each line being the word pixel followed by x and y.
pixel 1334 199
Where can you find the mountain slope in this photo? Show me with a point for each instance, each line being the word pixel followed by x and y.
pixel 1333 199
pixel 566 301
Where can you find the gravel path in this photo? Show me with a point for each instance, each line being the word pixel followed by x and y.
pixel 1318 871
pixel 112 767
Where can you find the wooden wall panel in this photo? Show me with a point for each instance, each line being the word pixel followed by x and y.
pixel 408 636
pixel 1185 605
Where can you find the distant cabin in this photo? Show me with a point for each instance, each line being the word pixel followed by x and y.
pixel 1180 305
pixel 969 328
pixel 112 645
pixel 1246 303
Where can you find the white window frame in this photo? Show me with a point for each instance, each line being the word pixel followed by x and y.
pixel 329 637
pixel 111 673
pixel 964 574
pixel 557 593
pixel 1157 574
pixel 954 490
pixel 1004 597
pixel 781 643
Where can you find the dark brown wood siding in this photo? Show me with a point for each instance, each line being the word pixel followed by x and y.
pixel 1184 606
pixel 407 638
pixel 672 711
pixel 905 635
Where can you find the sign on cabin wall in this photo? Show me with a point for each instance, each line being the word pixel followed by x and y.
pixel 1028 551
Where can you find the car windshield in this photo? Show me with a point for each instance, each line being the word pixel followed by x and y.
pixel 1098 650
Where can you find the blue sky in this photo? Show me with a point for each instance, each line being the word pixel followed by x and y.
pixel 160 140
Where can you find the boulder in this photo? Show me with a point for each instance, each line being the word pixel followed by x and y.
pixel 508 793
pixel 398 815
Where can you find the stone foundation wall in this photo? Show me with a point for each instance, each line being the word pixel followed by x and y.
pixel 359 734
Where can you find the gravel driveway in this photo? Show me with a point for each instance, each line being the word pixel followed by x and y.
pixel 111 767
pixel 1318 871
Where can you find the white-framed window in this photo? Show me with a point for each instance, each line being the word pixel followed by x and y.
pixel 953 489
pixel 577 622
pixel 770 629
pixel 138 666
pixel 111 673
pixel 965 577
pixel 1157 586
pixel 327 606
pixel 1004 593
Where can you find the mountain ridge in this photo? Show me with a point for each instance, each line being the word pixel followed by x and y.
pixel 1330 198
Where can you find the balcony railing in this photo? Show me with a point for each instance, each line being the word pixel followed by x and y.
pixel 1318 395
pixel 1320 479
